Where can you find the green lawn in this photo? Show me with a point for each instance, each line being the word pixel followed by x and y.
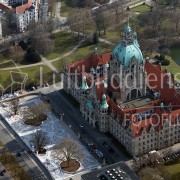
pixel 82 52
pixel 1 144
pixel 133 3
pixel 64 42
pixel 65 8
pixel 141 8
pixel 174 168
pixel 173 68
pixel 33 76
pixel 113 35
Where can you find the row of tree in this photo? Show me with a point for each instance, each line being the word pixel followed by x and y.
pixel 83 21
pixel 66 150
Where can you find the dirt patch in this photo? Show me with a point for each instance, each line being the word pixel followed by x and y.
pixel 36 121
pixel 74 166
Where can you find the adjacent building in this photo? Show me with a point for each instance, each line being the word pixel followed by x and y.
pixel 115 171
pixel 26 12
pixel 123 93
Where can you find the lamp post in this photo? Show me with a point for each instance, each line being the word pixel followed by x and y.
pixel 62 115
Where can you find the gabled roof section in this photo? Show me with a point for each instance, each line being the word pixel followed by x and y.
pixel 86 64
pixel 21 9
pixel 7 8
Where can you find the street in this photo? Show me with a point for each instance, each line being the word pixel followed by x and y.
pixel 73 118
pixel 14 144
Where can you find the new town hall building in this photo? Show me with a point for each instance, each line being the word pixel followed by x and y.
pixel 126 95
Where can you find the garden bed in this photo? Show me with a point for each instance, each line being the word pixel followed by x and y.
pixel 36 121
pixel 74 166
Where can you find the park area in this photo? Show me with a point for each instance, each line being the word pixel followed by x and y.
pixel 55 130
pixel 141 8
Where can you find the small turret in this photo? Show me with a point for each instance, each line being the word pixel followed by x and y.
pixel 127 28
pixel 92 70
pixel 104 104
pixel 84 85
pixel 96 50
pixel 90 105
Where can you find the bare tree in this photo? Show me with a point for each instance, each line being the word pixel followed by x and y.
pixel 40 140
pixel 154 158
pixel 14 105
pixel 139 163
pixel 40 109
pixel 176 19
pixel 86 21
pixel 102 21
pixel 119 12
pixel 42 43
pixel 149 45
pixel 166 152
pixel 66 150
pixel 40 37
pixel 50 25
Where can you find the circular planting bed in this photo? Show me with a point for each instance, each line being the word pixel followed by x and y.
pixel 41 151
pixel 74 166
pixel 36 121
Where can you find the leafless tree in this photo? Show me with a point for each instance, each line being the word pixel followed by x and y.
pixel 40 140
pixel 40 38
pixel 86 21
pixel 119 12
pixel 149 45
pixel 66 150
pixel 73 21
pixel 148 174
pixel 166 152
pixel 40 109
pixel 102 21
pixel 42 42
pixel 50 25
pixel 14 105
pixel 154 158
pixel 176 19
pixel 139 163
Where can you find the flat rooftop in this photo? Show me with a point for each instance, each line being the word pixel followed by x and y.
pixel 117 171
pixel 136 103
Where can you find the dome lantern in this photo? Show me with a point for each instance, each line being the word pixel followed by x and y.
pixel 128 49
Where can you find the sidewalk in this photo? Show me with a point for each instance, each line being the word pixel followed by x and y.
pixel 30 165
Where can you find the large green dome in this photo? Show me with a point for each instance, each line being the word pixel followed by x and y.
pixel 128 49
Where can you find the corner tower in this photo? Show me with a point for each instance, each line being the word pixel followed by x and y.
pixel 127 68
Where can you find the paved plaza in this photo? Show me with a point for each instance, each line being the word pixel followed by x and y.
pixel 56 131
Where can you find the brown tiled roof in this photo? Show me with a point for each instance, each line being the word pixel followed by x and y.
pixel 21 9
pixel 167 94
pixel 7 9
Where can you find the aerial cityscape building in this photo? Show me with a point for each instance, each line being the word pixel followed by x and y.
pixel 124 94
pixel 114 171
pixel 25 13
